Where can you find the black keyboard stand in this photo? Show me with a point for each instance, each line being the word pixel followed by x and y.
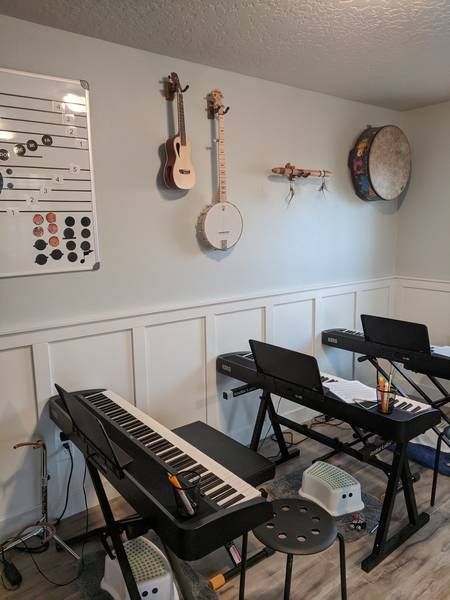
pixel 443 435
pixel 266 407
pixel 398 474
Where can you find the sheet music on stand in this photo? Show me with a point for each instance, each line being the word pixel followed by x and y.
pixel 352 391
pixel 47 198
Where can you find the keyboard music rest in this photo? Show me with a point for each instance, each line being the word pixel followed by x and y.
pixel 434 364
pixel 223 516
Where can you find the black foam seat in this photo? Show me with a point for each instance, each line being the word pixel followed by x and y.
pixel 237 458
pixel 301 527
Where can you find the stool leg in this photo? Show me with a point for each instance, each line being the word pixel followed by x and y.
pixel 436 468
pixel 287 581
pixel 243 566
pixel 342 566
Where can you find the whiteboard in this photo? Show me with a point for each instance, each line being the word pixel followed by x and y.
pixel 48 221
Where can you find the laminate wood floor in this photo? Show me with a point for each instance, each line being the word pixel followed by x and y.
pixel 419 570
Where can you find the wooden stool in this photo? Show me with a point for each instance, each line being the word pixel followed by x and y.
pixel 299 527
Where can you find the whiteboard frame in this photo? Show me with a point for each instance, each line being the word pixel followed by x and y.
pixel 74 269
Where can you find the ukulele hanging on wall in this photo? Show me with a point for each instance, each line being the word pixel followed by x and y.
pixel 220 224
pixel 178 169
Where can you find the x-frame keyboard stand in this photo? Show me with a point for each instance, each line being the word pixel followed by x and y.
pixel 398 473
pixel 442 430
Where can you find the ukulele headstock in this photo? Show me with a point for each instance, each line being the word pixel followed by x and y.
pixel 173 86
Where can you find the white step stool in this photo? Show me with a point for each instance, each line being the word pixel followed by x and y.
pixel 331 488
pixel 150 568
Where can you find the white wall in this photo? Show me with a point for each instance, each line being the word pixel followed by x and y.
pixel 150 323
pixel 423 240
pixel 150 255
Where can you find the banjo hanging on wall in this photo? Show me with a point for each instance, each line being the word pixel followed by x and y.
pixel 380 163
pixel 220 224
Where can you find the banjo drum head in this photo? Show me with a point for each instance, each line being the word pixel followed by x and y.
pixel 380 163
pixel 221 225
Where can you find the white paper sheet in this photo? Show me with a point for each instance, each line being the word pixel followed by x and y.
pixel 352 391
pixel 442 350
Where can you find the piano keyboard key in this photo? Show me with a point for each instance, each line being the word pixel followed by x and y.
pixel 217 484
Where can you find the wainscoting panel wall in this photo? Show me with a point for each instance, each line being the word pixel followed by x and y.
pixel 164 362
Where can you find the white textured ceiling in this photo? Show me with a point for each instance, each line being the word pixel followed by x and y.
pixel 393 53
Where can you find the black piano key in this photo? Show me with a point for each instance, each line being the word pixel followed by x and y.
pixel 212 484
pixel 207 477
pixel 135 429
pixel 149 438
pixel 113 412
pixel 170 453
pixel 407 407
pixel 160 445
pixel 97 397
pixel 402 405
pixel 125 419
pixel 176 462
pixel 187 462
pixel 232 501
pixel 416 409
pixel 396 403
pixel 196 470
pixel 103 404
pixel 225 494
pixel 219 491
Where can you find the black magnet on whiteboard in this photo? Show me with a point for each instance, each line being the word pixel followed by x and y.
pixel 41 259
pixel 72 256
pixel 4 154
pixel 47 140
pixel 70 221
pixel 85 246
pixel 85 233
pixel 19 149
pixel 68 233
pixel 10 186
pixel 85 221
pixel 71 245
pixel 32 145
pixel 9 171
pixel 40 244
pixel 56 254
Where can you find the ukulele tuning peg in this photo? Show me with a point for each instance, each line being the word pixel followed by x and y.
pixel 226 110
pixel 185 89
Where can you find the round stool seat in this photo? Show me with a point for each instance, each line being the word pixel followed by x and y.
pixel 297 527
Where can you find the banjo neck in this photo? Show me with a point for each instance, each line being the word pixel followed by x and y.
pixel 222 192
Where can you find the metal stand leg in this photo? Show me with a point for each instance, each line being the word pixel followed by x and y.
pixel 343 570
pixel 266 407
pixel 287 581
pixel 243 566
pixel 114 533
pixel 436 468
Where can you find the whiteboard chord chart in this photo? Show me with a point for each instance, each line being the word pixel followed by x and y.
pixel 48 220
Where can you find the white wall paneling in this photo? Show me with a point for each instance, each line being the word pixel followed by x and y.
pixel 162 359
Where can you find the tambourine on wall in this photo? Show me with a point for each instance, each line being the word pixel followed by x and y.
pixel 380 163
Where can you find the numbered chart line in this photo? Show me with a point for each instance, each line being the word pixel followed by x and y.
pixel 43 110
pixel 16 189
pixel 44 99
pixel 43 122
pixel 29 155
pixel 62 201
pixel 7 177
pixel 78 137
pixel 48 168
pixel 3 143
pixel 70 211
